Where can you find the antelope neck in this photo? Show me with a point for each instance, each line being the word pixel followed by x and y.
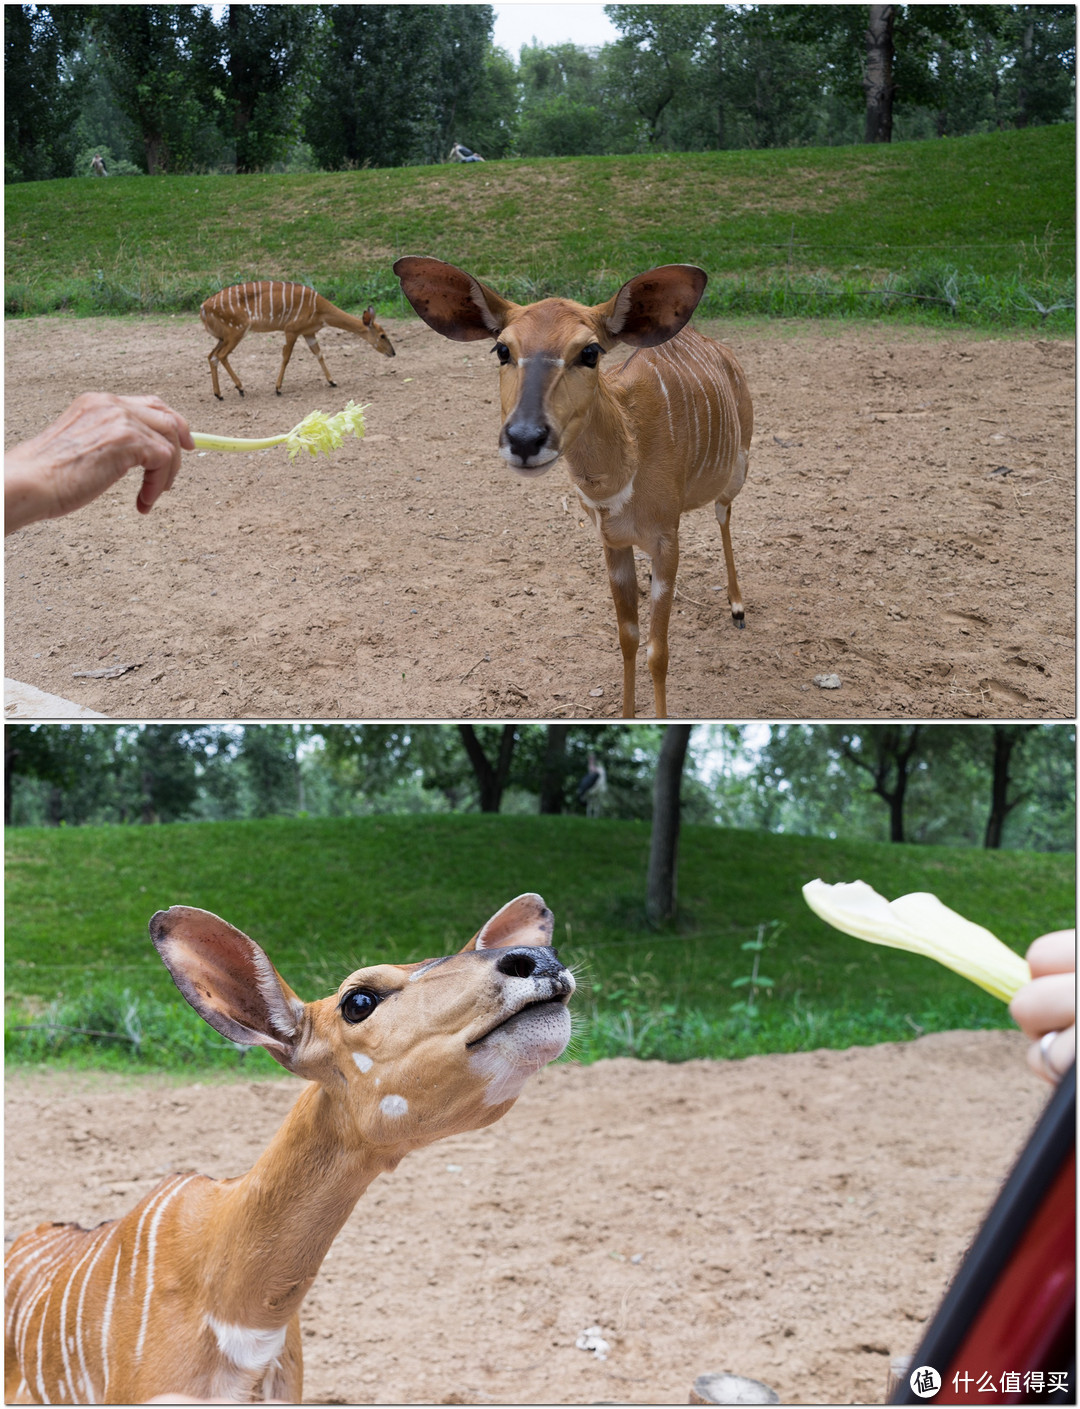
pixel 341 319
pixel 603 456
pixel 286 1211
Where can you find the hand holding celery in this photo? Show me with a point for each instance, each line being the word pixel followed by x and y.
pixel 921 924
pixel 316 432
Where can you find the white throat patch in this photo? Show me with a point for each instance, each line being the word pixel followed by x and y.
pixel 244 1346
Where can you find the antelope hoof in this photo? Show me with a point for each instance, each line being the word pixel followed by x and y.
pixel 240 389
pixel 740 621
pixel 219 396
pixel 277 391
pixel 333 383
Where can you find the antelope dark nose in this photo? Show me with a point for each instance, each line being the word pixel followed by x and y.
pixel 529 961
pixel 526 439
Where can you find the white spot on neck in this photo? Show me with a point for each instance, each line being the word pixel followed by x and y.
pixel 393 1105
pixel 363 1061
pixel 246 1347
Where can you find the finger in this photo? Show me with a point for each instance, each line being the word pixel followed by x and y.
pixel 1053 953
pixel 154 484
pixel 1045 1005
pixel 1054 1058
pixel 161 418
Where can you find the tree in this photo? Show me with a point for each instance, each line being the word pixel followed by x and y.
pixel 161 62
pixel 491 777
pixel 271 767
pixel 49 754
pixel 553 780
pixel 573 103
pixel 823 778
pixel 392 81
pixel 886 753
pixel 101 128
pixel 661 887
pixel 41 99
pixel 266 56
pixel 486 114
pixel 655 56
pixel 164 761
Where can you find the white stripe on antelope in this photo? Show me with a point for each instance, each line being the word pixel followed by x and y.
pixel 197 1290
pixel 667 431
pixel 295 309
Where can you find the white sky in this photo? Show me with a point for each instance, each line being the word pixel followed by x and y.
pixel 555 23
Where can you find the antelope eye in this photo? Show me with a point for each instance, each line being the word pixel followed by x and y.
pixel 502 352
pixel 590 355
pixel 359 1004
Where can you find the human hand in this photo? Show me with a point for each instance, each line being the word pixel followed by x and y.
pixel 94 443
pixel 1045 1008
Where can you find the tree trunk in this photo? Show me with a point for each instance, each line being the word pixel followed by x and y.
pixel 1027 44
pixel 1005 741
pixel 553 780
pixel 896 806
pixel 660 891
pixel 490 778
pixel 149 815
pixel 878 78
pixel 10 755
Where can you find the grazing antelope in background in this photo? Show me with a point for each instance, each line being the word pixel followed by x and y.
pixel 665 431
pixel 197 1290
pixel 294 308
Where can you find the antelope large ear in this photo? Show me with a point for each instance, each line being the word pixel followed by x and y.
pixel 451 301
pixel 526 920
pixel 653 307
pixel 229 981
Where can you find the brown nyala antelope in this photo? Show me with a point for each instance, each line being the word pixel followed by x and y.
pixel 197 1290
pixel 666 430
pixel 295 309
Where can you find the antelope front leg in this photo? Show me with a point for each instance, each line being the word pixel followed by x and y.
pixel 665 569
pixel 622 576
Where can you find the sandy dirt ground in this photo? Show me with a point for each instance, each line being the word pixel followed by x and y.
pixel 795 1218
pixel 907 526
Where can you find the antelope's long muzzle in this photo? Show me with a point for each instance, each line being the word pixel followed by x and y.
pixel 528 442
pixel 526 446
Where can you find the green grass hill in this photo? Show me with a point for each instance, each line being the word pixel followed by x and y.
pixel 325 896
pixel 976 230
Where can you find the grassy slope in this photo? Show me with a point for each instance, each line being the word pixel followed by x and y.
pixel 325 896
pixel 1001 205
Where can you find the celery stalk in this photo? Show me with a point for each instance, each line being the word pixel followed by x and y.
pixel 316 433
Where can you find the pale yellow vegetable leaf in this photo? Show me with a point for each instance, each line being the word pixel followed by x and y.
pixel 921 924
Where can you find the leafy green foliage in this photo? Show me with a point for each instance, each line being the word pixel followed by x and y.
pixel 325 896
pixel 39 108
pixel 393 79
